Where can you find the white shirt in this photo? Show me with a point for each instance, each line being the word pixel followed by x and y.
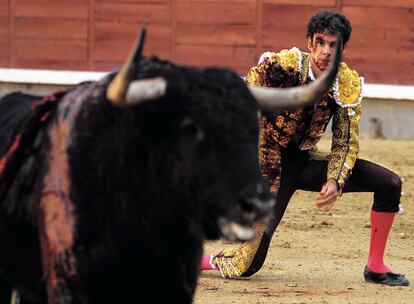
pixel 310 72
pixel 312 77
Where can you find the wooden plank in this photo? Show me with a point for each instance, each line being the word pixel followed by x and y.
pixel 90 32
pixel 215 13
pixel 404 79
pixel 135 1
pixel 402 60
pixel 378 18
pixel 259 27
pixel 363 39
pixel 361 64
pixel 106 66
pixel 106 51
pixel 46 28
pixel 375 77
pixel 400 64
pixel 393 67
pixel 12 41
pixel 112 30
pixel 216 24
pixel 402 40
pixel 372 70
pixel 289 2
pixel 232 34
pixel 285 26
pixel 288 17
pixel 173 27
pixel 58 50
pixel 155 13
pixel 382 77
pixel 338 5
pixel 208 32
pixel 380 3
pixel 51 64
pixel 4 27
pixel 215 55
pixel 113 40
pixel 219 1
pixel 275 39
pixel 4 33
pixel 4 8
pixel 4 52
pixel 389 41
pixel 237 58
pixel 331 3
pixel 52 8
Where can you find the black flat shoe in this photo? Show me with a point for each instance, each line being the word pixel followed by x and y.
pixel 389 278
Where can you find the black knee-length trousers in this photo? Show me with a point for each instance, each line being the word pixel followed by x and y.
pixel 299 172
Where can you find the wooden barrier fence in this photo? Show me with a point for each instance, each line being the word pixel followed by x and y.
pixel 97 34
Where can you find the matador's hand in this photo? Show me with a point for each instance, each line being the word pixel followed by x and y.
pixel 328 195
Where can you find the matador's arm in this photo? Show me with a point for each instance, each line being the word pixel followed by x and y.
pixel 345 125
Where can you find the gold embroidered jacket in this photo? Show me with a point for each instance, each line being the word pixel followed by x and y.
pixel 278 130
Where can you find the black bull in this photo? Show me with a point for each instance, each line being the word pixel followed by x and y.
pixel 102 203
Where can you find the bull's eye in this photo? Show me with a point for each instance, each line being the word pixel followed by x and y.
pixel 189 128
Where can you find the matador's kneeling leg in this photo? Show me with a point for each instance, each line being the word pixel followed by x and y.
pixel 244 261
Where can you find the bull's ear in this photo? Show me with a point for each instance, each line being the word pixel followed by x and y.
pixel 118 87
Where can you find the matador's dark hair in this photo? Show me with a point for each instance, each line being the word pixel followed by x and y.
pixel 330 22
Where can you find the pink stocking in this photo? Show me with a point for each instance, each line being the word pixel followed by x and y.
pixel 206 264
pixel 381 223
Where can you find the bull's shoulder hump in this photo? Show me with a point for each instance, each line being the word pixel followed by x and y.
pixel 348 87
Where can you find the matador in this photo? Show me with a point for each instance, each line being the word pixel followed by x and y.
pixel 290 160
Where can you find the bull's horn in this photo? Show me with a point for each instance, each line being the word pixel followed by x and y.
pixel 145 90
pixel 274 99
pixel 118 87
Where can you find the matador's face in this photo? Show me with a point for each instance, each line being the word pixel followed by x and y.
pixel 321 47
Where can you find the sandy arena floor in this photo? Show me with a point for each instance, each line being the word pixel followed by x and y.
pixel 319 257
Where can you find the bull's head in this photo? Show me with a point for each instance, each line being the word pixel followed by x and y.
pixel 254 201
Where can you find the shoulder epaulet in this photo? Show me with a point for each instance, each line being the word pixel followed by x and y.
pixel 348 88
pixel 287 59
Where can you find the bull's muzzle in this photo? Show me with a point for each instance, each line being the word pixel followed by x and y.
pixel 257 208
pixel 251 211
